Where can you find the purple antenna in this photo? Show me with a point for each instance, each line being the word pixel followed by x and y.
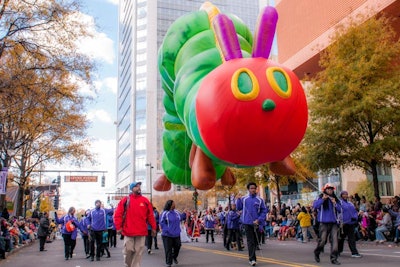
pixel 227 40
pixel 265 31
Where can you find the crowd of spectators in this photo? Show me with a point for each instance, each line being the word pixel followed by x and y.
pixel 19 231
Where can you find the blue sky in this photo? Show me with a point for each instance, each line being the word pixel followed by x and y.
pixel 101 17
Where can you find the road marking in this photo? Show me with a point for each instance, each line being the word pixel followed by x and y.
pixel 382 255
pixel 259 259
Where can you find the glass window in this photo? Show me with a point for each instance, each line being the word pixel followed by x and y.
pixel 141 57
pixel 141 33
pixel 140 163
pixel 140 122
pixel 385 179
pixel 141 85
pixel 140 142
pixel 386 188
pixel 141 102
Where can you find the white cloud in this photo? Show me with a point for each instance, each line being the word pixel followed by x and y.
pixel 99 114
pixel 110 84
pixel 114 2
pixel 99 46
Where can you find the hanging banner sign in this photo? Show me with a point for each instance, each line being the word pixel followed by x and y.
pixel 3 180
pixel 80 179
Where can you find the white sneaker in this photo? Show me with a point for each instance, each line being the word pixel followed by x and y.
pixel 356 256
pixel 252 263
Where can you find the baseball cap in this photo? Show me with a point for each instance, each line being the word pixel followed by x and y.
pixel 132 185
pixel 329 185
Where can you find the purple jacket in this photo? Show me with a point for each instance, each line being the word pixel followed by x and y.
pixel 83 226
pixel 253 208
pixel 328 214
pixel 97 218
pixel 349 212
pixel 170 223
pixel 233 220
pixel 63 220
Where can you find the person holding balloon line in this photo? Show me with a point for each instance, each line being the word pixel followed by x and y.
pixel 68 230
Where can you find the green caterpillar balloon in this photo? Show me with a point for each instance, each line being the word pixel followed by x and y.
pixel 226 103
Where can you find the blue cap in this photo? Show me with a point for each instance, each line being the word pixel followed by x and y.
pixel 132 185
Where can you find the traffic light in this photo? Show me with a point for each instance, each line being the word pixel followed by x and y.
pixel 56 201
pixel 103 181
pixel 59 180
pixel 108 199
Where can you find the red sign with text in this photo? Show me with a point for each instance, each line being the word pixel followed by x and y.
pixel 80 178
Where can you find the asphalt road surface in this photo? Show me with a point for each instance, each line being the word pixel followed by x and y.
pixel 273 253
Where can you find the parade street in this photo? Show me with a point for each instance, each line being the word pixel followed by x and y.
pixel 273 253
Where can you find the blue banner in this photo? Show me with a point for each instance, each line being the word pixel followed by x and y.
pixel 3 180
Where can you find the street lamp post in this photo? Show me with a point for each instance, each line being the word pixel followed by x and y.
pixel 151 181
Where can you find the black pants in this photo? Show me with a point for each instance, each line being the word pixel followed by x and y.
pixel 42 241
pixel 96 237
pixel 348 230
pixel 73 245
pixel 210 232
pixel 149 239
pixel 86 245
pixel 155 241
pixel 252 243
pixel 172 245
pixel 104 249
pixel 325 230
pixel 225 234
pixel 112 237
pixel 69 245
pixel 233 236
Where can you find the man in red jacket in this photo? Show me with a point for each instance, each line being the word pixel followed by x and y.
pixel 131 218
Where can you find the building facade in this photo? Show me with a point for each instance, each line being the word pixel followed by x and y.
pixel 142 26
pixel 311 23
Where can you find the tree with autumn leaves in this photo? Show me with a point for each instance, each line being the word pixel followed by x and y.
pixel 354 101
pixel 42 113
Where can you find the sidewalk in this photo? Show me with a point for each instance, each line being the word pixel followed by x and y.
pixel 19 247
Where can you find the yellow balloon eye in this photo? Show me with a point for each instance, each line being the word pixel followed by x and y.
pixel 244 85
pixel 279 81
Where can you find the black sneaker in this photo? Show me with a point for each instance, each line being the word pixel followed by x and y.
pixel 316 257
pixel 176 261
pixel 335 262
